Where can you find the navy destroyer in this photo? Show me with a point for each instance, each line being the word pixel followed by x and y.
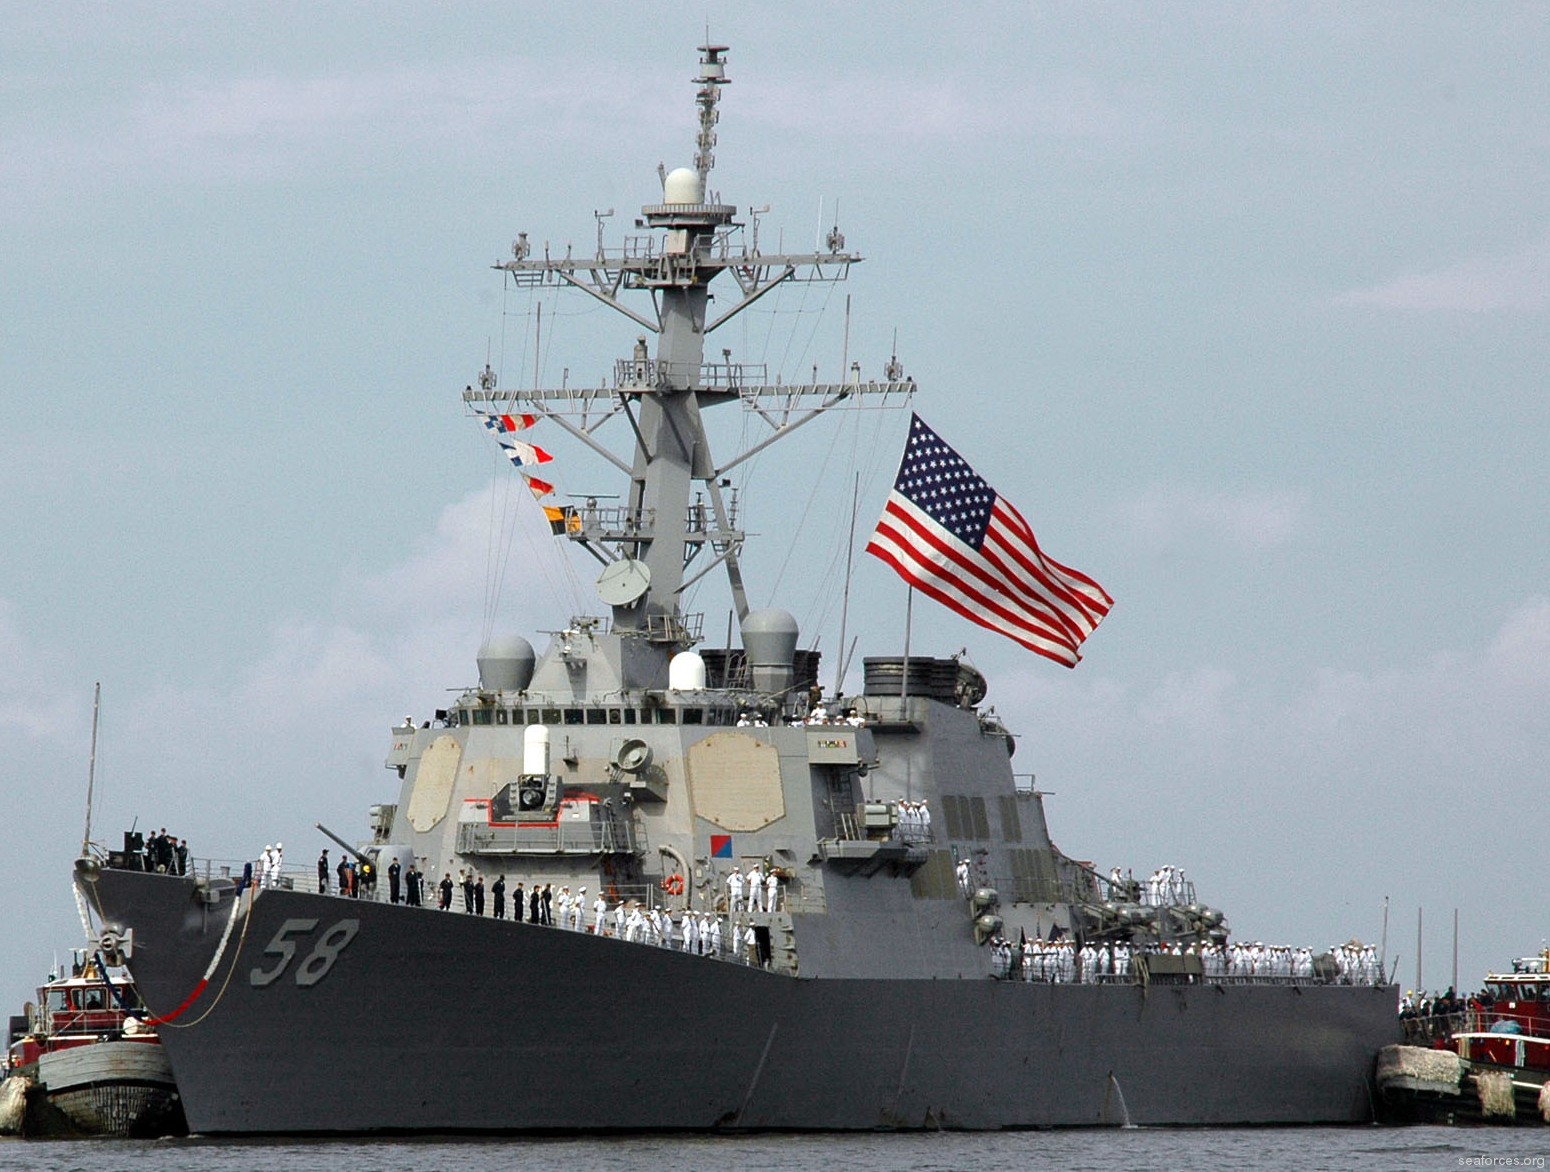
pixel 738 903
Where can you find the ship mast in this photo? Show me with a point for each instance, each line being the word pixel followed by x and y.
pixel 91 768
pixel 649 546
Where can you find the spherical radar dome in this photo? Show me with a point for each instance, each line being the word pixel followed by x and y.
pixel 682 185
pixel 506 664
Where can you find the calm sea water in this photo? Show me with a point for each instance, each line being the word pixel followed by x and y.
pixel 1426 1149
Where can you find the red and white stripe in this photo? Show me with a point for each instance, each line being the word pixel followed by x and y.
pixel 1007 585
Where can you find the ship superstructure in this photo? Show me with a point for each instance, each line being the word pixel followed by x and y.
pixel 883 933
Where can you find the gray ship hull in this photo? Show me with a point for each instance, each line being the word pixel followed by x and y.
pixel 540 1029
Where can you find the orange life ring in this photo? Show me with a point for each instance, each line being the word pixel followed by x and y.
pixel 673 884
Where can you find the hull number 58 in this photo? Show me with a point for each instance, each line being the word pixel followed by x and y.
pixel 316 964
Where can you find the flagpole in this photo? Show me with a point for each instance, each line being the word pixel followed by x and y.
pixel 904 676
pixel 91 769
pixel 850 555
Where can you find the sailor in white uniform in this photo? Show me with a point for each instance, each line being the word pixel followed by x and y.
pixel 755 888
pixel 771 890
pixel 735 890
pixel 599 913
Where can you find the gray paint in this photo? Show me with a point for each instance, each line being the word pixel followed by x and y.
pixel 880 1011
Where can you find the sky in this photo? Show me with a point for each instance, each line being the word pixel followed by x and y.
pixel 1244 306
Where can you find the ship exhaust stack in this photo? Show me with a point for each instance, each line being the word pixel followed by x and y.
pixel 770 643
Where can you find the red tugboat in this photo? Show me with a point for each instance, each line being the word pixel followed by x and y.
pixel 1489 1064
pixel 85 1060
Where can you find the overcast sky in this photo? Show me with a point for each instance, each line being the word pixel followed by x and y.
pixel 1244 306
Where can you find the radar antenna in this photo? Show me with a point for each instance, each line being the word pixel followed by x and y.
pixel 713 76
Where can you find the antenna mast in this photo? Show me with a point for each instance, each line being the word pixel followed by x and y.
pixel 91 769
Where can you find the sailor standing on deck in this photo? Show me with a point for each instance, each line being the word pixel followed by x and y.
pixel 599 911
pixel 715 936
pixel 735 890
pixel 755 888
pixel 578 910
pixel 771 890
pixel 498 890
pixel 691 933
pixel 394 871
pixel 963 877
pixel 323 872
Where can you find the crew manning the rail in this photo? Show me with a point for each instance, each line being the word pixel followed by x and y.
pixel 1065 962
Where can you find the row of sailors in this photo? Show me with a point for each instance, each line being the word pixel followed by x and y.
pixel 819 715
pixel 914 821
pixel 1165 887
pixel 762 891
pixel 1063 962
pixel 698 933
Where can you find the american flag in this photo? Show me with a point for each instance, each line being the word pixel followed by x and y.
pixel 951 536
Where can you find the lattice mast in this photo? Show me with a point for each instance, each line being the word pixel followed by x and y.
pixel 648 547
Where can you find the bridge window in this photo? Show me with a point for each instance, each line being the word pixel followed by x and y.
pixel 597 716
pixel 667 716
pixel 694 716
pixel 481 716
pixel 574 716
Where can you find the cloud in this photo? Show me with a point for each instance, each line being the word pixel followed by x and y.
pixel 945 110
pixel 1298 811
pixel 31 685
pixel 1166 515
pixel 203 129
pixel 1514 282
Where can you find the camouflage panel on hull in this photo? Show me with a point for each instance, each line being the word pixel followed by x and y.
pixel 543 1029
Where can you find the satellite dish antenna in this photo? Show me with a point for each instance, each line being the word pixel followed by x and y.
pixel 634 755
pixel 623 581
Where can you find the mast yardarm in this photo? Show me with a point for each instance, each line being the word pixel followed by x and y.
pixel 676 508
